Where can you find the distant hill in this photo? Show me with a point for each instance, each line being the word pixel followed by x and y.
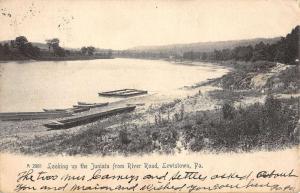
pixel 180 48
pixel 42 46
pixel 202 46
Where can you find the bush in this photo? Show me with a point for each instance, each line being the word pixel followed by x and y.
pixel 271 124
pixel 228 111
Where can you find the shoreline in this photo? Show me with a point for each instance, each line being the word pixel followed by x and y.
pixel 54 59
pixel 162 118
pixel 151 102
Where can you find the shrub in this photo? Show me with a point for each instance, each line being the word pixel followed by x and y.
pixel 228 111
pixel 271 125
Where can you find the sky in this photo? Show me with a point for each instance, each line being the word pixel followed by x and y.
pixel 122 24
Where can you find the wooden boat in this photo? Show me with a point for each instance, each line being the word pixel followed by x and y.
pixel 123 93
pixel 71 110
pixel 19 116
pixel 84 103
pixel 136 104
pixel 72 122
pixel 89 105
pixel 79 110
pixel 55 110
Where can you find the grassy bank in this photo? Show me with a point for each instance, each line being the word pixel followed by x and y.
pixel 259 126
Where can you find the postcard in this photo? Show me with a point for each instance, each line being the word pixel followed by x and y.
pixel 149 96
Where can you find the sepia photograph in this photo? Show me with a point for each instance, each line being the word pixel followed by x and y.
pixel 149 78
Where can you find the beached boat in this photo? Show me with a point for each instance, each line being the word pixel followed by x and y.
pixel 72 122
pixel 84 103
pixel 19 116
pixel 89 105
pixel 72 110
pixel 56 110
pixel 136 104
pixel 81 109
pixel 123 93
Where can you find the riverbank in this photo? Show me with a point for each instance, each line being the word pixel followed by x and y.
pixel 66 58
pixel 209 118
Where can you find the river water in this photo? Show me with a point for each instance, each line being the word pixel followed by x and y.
pixel 31 86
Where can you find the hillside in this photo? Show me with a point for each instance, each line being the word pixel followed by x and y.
pixel 203 46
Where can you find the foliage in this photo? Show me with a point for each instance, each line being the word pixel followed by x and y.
pixel 21 41
pixel 245 128
pixel 287 81
pixel 285 51
pixel 90 50
pixel 83 50
pixel 19 48
pixel 59 51
pixel 228 111
pixel 53 43
pixel 22 49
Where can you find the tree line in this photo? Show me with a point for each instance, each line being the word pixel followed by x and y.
pixel 285 51
pixel 21 49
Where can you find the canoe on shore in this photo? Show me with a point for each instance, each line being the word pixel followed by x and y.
pixel 123 93
pixel 89 105
pixel 19 116
pixel 72 122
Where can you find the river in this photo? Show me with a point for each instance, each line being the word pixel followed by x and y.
pixel 33 85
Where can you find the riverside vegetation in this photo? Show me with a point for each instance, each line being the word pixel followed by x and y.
pixel 22 49
pixel 170 127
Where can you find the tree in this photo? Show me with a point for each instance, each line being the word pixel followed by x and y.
pixel 189 55
pixel 279 54
pixel 53 43
pixel 6 50
pixel 204 56
pixel 25 47
pixel 259 52
pixel 59 51
pixel 30 51
pixel 12 43
pixel 218 55
pixel 291 45
pixel 226 54
pixel 243 53
pixel 21 41
pixel 48 42
pixel 109 53
pixel 90 50
pixel 1 51
pixel 84 50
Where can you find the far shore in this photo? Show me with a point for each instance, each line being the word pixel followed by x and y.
pixel 57 59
